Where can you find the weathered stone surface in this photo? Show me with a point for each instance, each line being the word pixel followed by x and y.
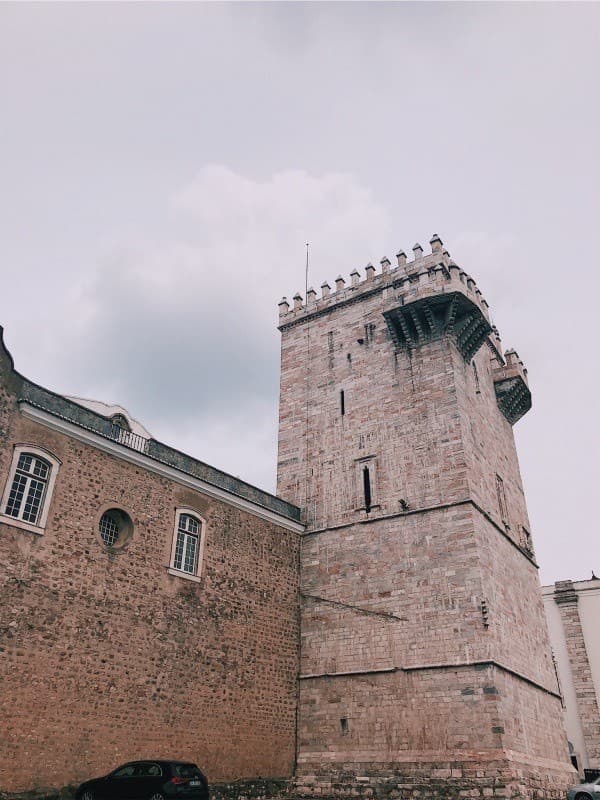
pixel 106 658
pixel 425 662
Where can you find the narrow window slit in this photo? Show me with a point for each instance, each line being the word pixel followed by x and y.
pixel 344 725
pixel 476 376
pixel 502 499
pixel 367 488
pixel 342 403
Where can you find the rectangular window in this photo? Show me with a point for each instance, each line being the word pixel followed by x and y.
pixel 28 488
pixel 502 499
pixel 186 554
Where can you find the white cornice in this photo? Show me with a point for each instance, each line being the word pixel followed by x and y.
pixel 132 456
pixel 579 587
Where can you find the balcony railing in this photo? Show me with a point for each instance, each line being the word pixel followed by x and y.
pixel 129 439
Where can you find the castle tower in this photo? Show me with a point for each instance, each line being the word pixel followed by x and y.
pixel 425 663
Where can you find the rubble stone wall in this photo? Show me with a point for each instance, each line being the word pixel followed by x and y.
pixel 105 657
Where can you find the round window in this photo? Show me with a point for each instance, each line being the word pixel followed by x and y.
pixel 115 527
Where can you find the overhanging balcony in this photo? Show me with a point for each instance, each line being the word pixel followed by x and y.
pixel 436 315
pixel 511 387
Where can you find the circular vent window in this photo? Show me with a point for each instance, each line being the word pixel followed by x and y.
pixel 115 528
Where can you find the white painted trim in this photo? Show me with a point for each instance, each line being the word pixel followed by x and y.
pixel 187 575
pixel 201 538
pixel 50 458
pixel 134 457
pixel 18 523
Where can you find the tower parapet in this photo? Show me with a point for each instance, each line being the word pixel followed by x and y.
pixel 512 388
pixel 422 300
pixel 425 276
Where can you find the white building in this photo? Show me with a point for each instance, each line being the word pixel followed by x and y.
pixel 573 613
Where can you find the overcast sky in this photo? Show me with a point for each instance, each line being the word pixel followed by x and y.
pixel 162 166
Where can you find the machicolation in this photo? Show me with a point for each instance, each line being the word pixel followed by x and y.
pixel 424 299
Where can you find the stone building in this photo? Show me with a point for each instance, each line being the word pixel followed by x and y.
pixel 425 661
pixel 148 602
pixel 375 629
pixel 573 614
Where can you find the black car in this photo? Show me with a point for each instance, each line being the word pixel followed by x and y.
pixel 148 780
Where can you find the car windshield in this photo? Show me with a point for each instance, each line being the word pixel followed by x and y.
pixel 186 771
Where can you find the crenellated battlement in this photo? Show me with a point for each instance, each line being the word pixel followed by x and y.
pixel 425 285
pixel 512 387
pixel 423 299
pixel 433 273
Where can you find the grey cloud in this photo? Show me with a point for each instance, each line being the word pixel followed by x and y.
pixel 183 331
pixel 360 127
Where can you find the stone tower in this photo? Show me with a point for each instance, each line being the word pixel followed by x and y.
pixel 425 663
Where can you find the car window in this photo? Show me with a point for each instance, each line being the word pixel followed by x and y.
pixel 124 772
pixel 147 770
pixel 186 771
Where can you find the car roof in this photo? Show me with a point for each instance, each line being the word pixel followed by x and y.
pixel 158 761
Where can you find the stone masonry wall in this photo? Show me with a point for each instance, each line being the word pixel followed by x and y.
pixel 400 717
pixel 410 734
pixel 424 643
pixel 490 446
pixel 418 576
pixel 106 658
pixel 527 715
pixel 400 409
pixel 411 592
pixel 512 594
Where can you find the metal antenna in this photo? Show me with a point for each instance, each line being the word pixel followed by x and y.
pixel 306 478
pixel 306 278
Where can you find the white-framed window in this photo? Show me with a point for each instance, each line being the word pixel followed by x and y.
pixel 28 490
pixel 188 544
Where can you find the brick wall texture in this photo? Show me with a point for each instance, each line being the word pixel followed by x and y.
pixel 425 660
pixel 106 658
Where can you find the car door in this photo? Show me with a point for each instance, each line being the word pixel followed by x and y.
pixel 149 780
pixel 120 784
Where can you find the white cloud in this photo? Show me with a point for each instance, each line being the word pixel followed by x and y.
pixel 183 330
pixel 418 101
